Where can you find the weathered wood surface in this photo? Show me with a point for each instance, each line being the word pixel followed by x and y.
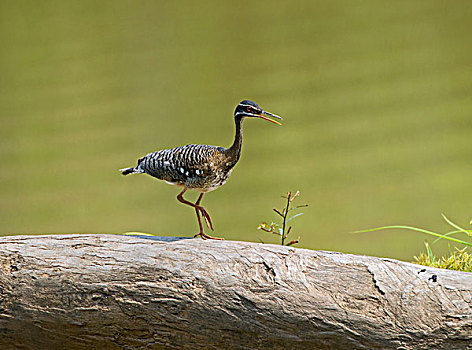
pixel 113 292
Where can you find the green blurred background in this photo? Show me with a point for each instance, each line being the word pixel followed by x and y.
pixel 375 95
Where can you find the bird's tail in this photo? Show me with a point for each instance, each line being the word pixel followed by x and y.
pixel 126 171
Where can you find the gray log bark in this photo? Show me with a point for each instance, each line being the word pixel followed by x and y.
pixel 123 292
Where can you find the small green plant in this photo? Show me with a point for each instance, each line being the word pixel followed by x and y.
pixel 283 230
pixel 458 260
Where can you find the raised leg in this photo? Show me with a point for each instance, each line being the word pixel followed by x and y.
pixel 198 209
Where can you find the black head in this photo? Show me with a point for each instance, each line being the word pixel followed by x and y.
pixel 251 109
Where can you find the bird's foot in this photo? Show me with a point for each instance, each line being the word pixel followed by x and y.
pixel 206 216
pixel 205 236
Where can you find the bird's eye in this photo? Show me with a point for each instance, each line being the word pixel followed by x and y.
pixel 248 109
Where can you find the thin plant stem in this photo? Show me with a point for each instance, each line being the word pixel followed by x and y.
pixel 285 217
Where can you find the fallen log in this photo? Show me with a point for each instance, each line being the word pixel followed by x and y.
pixel 113 291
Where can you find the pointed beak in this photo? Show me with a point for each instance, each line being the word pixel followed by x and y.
pixel 265 115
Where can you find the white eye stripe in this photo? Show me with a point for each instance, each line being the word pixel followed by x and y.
pixel 247 113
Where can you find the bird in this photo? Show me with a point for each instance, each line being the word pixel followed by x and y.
pixel 203 168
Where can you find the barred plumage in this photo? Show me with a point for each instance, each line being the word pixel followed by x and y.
pixel 200 167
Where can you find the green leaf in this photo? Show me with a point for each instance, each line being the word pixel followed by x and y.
pixel 299 206
pixel 293 217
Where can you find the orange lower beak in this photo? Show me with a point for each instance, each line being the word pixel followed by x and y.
pixel 264 115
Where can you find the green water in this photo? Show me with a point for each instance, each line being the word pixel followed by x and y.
pixel 375 95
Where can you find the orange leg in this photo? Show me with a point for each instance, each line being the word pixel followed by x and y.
pixel 199 209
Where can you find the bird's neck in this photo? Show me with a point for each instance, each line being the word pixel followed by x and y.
pixel 234 152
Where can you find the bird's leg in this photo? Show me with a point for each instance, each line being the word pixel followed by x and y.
pixel 202 233
pixel 198 208
pixel 205 214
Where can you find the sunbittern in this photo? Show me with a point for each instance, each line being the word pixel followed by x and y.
pixel 200 167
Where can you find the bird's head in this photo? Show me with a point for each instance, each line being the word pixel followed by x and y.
pixel 251 109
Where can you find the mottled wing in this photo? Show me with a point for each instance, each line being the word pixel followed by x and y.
pixel 187 165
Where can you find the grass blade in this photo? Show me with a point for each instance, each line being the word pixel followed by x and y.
pixel 430 252
pixel 447 234
pixel 455 226
pixel 136 234
pixel 418 230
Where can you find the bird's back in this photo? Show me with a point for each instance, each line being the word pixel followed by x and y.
pixel 200 167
